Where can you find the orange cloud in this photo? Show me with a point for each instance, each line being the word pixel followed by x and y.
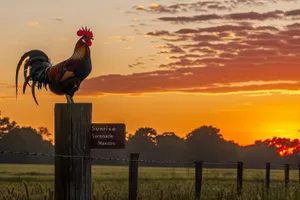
pixel 217 5
pixel 232 57
pixel 33 23
pixel 140 7
pixel 211 79
pixel 153 6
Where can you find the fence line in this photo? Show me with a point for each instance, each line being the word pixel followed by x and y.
pixel 128 160
pixel 109 158
pixel 134 161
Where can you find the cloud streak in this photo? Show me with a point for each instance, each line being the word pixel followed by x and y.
pixel 205 6
pixel 230 51
pixel 233 16
pixel 216 59
pixel 213 79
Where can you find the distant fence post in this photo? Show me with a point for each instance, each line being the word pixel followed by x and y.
pixel 133 176
pixel 268 169
pixel 239 186
pixel 286 174
pixel 72 138
pixel 198 179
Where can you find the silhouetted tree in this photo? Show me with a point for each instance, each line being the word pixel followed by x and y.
pixel 207 144
pixel 170 146
pixel 46 135
pixel 143 142
pixel 261 154
pixel 150 133
pixel 6 125
pixel 25 139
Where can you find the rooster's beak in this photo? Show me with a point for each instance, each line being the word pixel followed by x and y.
pixel 92 38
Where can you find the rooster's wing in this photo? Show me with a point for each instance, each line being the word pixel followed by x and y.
pixel 62 71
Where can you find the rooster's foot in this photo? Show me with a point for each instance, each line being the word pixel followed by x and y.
pixel 69 99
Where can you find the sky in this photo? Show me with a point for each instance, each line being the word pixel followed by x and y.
pixel 169 65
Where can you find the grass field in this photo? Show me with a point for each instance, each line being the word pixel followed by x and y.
pixel 111 183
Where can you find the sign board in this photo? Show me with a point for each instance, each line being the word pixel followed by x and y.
pixel 108 136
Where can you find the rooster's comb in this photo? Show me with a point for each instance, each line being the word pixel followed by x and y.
pixel 85 31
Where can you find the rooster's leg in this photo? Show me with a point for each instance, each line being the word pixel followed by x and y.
pixel 69 99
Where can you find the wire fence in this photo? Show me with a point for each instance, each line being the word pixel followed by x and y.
pixel 166 179
pixel 110 158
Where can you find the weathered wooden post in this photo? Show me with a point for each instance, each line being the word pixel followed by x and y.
pixel 239 178
pixel 198 179
pixel 133 176
pixel 286 174
pixel 73 177
pixel 268 170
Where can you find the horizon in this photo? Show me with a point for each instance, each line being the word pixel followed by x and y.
pixel 170 66
pixel 283 146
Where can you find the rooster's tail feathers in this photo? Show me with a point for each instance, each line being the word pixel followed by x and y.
pixel 37 73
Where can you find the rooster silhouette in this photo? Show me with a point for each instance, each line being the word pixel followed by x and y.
pixel 63 78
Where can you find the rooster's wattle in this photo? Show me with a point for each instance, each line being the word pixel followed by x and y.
pixel 63 78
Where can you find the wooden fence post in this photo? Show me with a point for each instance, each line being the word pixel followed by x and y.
pixel 268 169
pixel 239 178
pixel 73 138
pixel 198 179
pixel 133 176
pixel 286 174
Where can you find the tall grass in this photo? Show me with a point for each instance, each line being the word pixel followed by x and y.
pixel 24 182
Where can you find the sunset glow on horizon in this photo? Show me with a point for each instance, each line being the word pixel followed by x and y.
pixel 170 66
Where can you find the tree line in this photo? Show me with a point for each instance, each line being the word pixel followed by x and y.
pixel 205 143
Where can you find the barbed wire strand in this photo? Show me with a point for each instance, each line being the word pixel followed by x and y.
pixel 119 159
pixel 93 158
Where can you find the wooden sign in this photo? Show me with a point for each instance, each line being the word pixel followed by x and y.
pixel 108 136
